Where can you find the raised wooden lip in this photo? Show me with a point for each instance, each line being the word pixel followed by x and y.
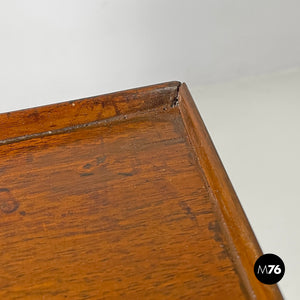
pixel 237 229
pixel 71 115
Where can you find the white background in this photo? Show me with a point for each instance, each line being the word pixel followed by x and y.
pixel 230 53
pixel 65 49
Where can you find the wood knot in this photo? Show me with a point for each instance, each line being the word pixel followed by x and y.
pixel 8 204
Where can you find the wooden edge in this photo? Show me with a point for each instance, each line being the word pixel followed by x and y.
pixel 53 119
pixel 241 239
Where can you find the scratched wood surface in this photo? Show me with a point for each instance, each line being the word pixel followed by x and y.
pixel 108 198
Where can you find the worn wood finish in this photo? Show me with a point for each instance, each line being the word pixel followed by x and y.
pixel 53 119
pixel 120 196
pixel 244 246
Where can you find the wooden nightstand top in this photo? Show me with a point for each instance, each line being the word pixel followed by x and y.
pixel 120 196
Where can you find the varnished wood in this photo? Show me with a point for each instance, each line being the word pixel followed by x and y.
pixel 52 119
pixel 244 246
pixel 120 196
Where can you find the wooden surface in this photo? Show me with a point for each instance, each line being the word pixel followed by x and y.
pixel 120 196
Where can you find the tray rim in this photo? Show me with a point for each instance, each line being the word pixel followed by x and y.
pixel 237 229
pixel 66 116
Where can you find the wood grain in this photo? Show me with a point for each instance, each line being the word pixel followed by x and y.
pixel 54 119
pixel 244 246
pixel 122 206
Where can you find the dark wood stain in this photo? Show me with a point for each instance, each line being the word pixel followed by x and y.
pixel 120 196
pixel 8 204
pixel 86 174
pixel 125 174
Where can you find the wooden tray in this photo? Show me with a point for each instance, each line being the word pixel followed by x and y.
pixel 120 196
